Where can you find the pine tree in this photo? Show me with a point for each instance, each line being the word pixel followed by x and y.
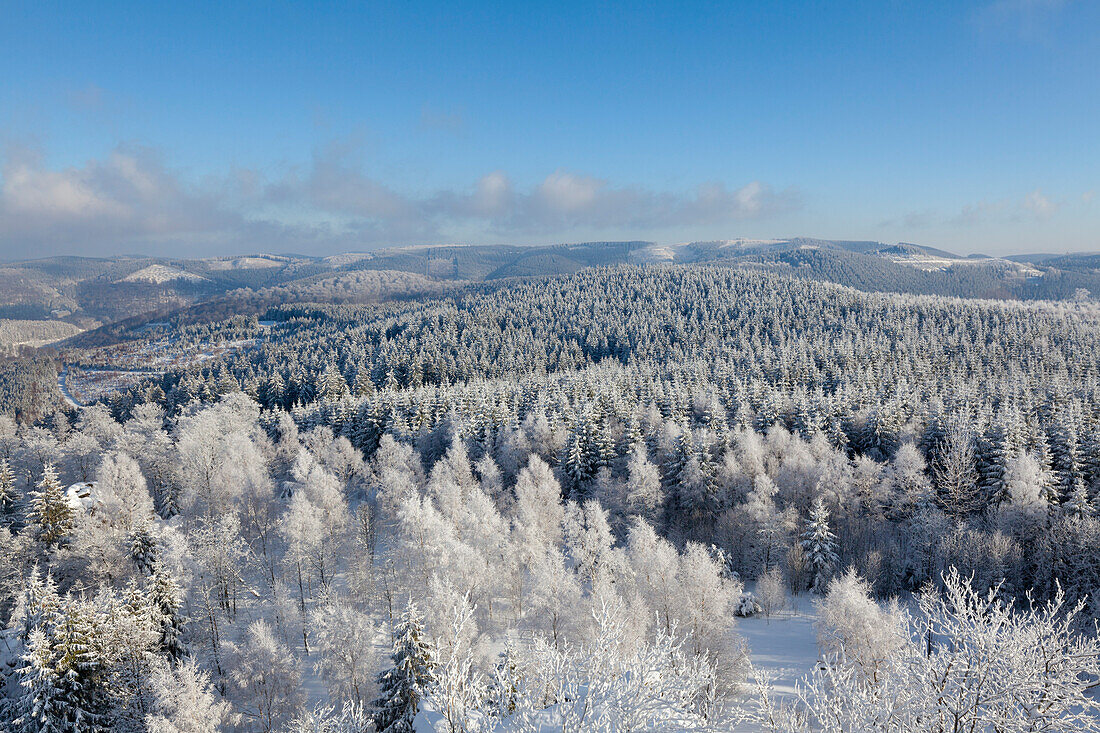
pixel 678 459
pixel 603 447
pixel 403 686
pixel 1090 458
pixel 38 603
pixel 165 501
pixel 1049 490
pixel 81 668
pixel 819 544
pixel 50 513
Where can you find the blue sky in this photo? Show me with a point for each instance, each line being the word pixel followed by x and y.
pixel 204 128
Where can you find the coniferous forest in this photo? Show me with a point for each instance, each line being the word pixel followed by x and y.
pixel 578 503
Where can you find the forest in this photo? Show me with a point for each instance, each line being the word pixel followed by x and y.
pixel 555 504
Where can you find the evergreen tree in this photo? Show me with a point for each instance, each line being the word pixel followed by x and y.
pixel 576 465
pixel 819 545
pixel 7 493
pixel 1090 459
pixel 1064 455
pixel 64 676
pixel 165 501
pixel 332 384
pixel 1077 504
pixel 42 706
pixel 1049 489
pixel 677 459
pixel 166 598
pixel 50 513
pixel 403 686
pixel 143 548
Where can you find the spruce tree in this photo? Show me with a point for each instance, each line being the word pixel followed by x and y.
pixel 42 707
pixel 166 598
pixel 64 677
pixel 819 544
pixel 1077 504
pixel 82 671
pixel 7 493
pixel 143 548
pixel 50 514
pixel 402 686
pixel 576 465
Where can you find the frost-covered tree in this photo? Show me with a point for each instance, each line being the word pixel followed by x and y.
pixel 853 629
pixel 50 515
pixel 771 592
pixel 165 598
pixel 970 661
pixel 122 493
pixel 184 701
pixel 403 686
pixel 8 497
pixel 343 639
pixel 43 706
pixel 954 470
pixel 819 544
pixel 265 677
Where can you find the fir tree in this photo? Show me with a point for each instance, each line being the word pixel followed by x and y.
pixel 332 386
pixel 819 544
pixel 1064 455
pixel 403 686
pixel 50 513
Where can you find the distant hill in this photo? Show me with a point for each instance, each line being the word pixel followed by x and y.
pixel 87 291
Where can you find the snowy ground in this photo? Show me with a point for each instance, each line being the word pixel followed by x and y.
pixel 783 648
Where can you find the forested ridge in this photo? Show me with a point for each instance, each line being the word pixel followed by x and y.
pixel 544 504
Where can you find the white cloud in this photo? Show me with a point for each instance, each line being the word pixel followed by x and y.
pixel 1039 205
pixel 131 201
pixel 128 195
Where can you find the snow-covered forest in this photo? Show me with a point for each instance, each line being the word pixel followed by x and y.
pixel 549 505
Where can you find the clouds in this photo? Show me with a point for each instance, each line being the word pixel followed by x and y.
pixel 1039 205
pixel 566 201
pixel 125 197
pixel 131 201
pixel 1035 207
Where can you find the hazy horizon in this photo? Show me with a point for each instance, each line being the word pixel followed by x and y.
pixel 382 247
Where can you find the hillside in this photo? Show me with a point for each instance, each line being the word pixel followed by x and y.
pixel 88 292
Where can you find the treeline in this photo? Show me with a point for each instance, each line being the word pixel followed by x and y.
pixel 28 387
